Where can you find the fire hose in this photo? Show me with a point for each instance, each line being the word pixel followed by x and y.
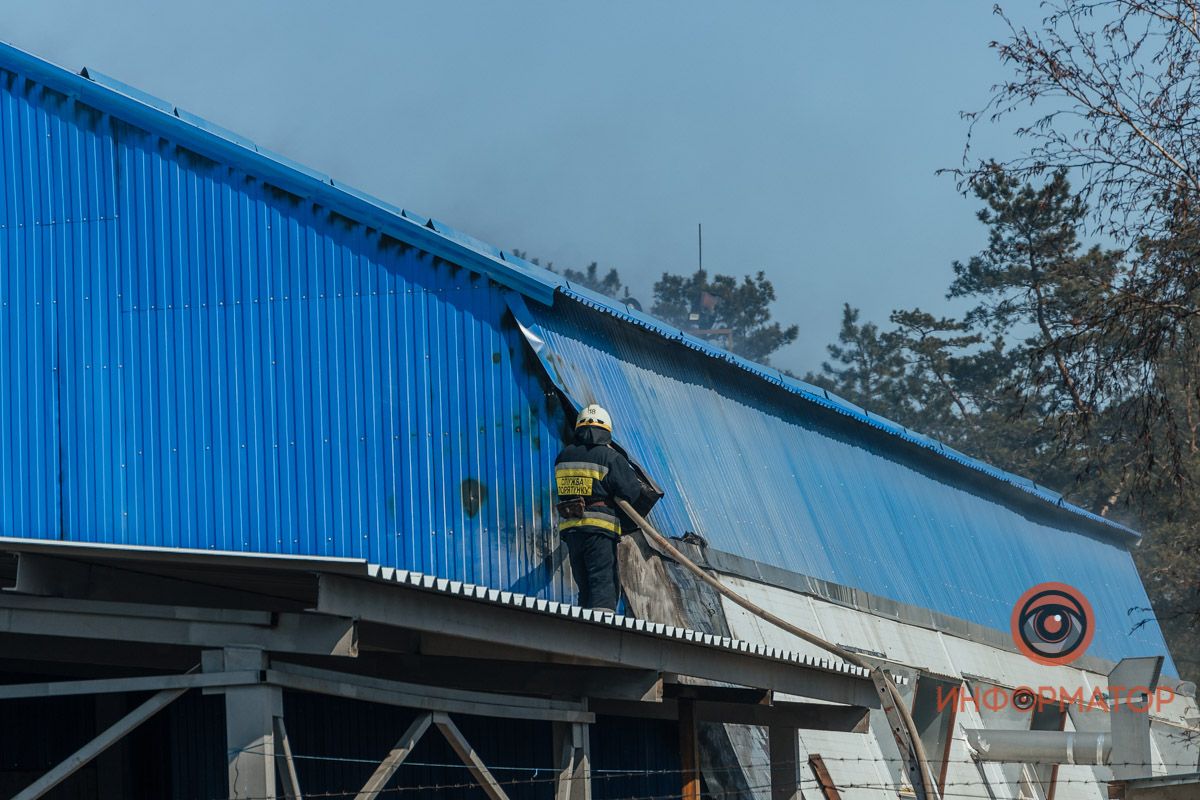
pixel 904 729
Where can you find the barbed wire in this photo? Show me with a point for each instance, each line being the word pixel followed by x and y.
pixel 802 759
pixel 949 788
pixel 956 789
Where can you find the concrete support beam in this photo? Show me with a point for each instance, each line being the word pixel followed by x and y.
pixel 426 698
pixel 178 625
pixel 573 751
pixel 511 677
pixel 51 576
pixel 501 625
pixel 808 716
pixel 105 686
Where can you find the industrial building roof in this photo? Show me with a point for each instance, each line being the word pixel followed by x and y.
pixel 507 269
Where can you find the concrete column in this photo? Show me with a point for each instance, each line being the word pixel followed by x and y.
pixel 573 751
pixel 250 713
pixel 785 756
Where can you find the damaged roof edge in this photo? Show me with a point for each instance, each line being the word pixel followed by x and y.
pixel 206 138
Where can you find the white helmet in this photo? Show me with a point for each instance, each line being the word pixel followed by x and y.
pixel 594 415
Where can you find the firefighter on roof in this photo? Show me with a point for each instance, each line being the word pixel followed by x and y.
pixel 589 474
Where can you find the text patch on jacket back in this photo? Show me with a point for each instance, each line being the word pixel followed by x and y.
pixel 575 478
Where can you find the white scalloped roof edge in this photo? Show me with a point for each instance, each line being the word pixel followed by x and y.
pixel 517 600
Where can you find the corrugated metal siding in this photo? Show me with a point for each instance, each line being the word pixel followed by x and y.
pixel 636 758
pixel 191 357
pixel 762 476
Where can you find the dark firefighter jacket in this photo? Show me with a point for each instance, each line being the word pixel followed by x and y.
pixel 588 475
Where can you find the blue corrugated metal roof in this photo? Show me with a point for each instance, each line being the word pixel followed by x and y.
pixel 827 399
pixel 191 357
pixel 442 240
pixel 764 477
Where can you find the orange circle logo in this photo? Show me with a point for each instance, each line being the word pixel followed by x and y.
pixel 1052 623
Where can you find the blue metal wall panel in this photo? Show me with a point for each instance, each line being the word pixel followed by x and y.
pixel 192 357
pixel 770 477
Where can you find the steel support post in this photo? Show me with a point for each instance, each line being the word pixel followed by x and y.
pixel 689 752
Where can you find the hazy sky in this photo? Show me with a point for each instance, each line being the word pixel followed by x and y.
pixel 804 136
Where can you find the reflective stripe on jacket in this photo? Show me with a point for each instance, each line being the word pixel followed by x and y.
pixel 589 476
